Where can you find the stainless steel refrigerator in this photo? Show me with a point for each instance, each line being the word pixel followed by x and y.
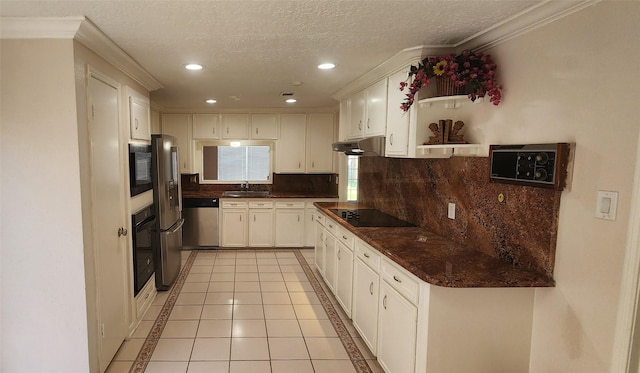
pixel 167 198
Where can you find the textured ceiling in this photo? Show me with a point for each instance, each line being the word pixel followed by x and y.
pixel 253 50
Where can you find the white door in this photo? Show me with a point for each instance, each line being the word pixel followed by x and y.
pixel 108 212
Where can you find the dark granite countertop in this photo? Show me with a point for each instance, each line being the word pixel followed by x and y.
pixel 437 260
pixel 218 194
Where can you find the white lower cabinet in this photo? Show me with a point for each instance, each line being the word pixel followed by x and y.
pixel 290 217
pixel 330 258
pixel 260 224
pixel 234 224
pixel 319 242
pixel 415 327
pixel 396 331
pixel 364 312
pixel 344 276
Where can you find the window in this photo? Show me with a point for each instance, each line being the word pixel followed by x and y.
pixel 352 177
pixel 231 164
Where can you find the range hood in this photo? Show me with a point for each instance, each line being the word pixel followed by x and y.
pixel 371 146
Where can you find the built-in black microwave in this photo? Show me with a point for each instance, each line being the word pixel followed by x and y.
pixel 139 168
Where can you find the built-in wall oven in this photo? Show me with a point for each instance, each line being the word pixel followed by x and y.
pixel 142 222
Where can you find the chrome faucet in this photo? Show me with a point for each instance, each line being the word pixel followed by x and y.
pixel 245 185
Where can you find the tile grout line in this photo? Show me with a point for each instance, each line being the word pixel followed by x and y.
pixel 149 345
pixel 357 359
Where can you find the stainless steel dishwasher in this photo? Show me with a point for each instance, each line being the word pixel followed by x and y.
pixel 200 222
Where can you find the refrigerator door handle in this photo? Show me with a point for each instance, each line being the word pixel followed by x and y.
pixel 177 226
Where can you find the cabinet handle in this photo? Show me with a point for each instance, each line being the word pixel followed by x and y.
pixel 330 226
pixel 366 255
pixel 213 130
pixel 368 121
pixel 299 165
pixel 371 288
pixel 147 296
pixel 391 139
pixel 384 302
pixel 256 130
pixel 338 254
pixel 227 130
pixel 136 120
pixel 360 124
pixel 321 236
pixel 344 237
pixel 254 217
pixel 313 164
pixel 397 279
pixel 240 217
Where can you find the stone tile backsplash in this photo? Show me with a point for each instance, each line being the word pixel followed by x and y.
pixel 521 230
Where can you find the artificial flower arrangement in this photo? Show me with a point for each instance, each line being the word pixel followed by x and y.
pixel 474 72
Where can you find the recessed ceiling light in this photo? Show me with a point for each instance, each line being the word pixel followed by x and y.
pixel 290 100
pixel 211 101
pixel 326 66
pixel 193 66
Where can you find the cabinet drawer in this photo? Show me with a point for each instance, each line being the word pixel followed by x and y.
pixel 320 218
pixel 290 205
pixel 260 204
pixel 400 280
pixel 234 204
pixel 331 226
pixel 145 297
pixel 368 255
pixel 345 236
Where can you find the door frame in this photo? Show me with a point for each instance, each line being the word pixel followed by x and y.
pixel 626 347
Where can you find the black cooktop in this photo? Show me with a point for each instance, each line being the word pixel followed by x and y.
pixel 370 218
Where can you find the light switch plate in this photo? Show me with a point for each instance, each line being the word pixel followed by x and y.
pixel 451 213
pixel 606 205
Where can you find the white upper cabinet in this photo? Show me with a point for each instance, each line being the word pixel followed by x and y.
pixel 264 126
pixel 235 126
pixel 357 115
pixel 376 109
pixel 399 123
pixel 139 116
pixel 290 148
pixel 343 120
pixel 319 154
pixel 206 126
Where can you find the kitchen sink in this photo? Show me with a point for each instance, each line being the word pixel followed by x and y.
pixel 246 193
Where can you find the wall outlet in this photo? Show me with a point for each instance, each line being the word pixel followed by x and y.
pixel 451 213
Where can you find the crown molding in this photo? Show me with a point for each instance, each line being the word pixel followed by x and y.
pixel 522 23
pixel 85 32
pixel 399 61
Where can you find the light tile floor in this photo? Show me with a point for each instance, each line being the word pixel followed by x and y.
pixel 249 311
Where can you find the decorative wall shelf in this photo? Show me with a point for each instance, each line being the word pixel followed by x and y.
pixel 447 150
pixel 449 102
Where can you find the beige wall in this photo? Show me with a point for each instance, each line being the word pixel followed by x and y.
pixel 44 324
pixel 576 80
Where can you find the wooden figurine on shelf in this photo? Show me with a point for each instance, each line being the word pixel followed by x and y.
pixel 438 133
pixel 454 136
pixel 446 132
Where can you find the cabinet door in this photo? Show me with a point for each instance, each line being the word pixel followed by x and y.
pixel 234 228
pixel 356 115
pixel 260 227
pixel 289 227
pixel 366 288
pixel 330 260
pixel 140 123
pixel 397 331
pixel 235 126
pixel 319 157
pixel 206 126
pixel 264 126
pixel 179 126
pixel 376 110
pixel 344 119
pixel 344 277
pixel 290 147
pixel 320 248
pixel 398 122
pixel 310 227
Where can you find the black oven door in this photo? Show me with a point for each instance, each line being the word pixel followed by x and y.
pixel 143 222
